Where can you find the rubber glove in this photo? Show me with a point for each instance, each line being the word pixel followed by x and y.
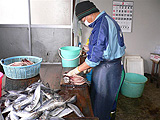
pixel 75 71
pixel 87 71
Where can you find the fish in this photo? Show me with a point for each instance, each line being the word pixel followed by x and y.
pixel 7 102
pixel 37 102
pixel 48 95
pixel 65 112
pixel 23 62
pixel 22 113
pixel 1 117
pixel 72 99
pixel 13 116
pixel 56 111
pixel 35 99
pixel 75 109
pixel 32 116
pixel 20 98
pixel 14 92
pixel 37 106
pixel 44 115
pixel 56 118
pixel 52 105
pixel 74 80
pixel 22 104
pixel 8 109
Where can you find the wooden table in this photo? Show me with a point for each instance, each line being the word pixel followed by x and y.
pixel 83 98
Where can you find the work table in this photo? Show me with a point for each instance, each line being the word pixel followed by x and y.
pixel 52 74
pixel 83 97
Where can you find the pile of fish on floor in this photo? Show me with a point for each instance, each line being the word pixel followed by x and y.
pixel 37 102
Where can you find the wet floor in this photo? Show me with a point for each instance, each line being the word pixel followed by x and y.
pixel 147 107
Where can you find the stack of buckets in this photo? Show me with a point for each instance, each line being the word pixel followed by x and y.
pixel 1 76
pixel 70 56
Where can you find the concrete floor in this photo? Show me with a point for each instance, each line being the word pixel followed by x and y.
pixel 147 107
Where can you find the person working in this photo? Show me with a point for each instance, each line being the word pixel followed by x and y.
pixel 106 47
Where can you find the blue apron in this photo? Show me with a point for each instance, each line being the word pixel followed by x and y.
pixel 105 83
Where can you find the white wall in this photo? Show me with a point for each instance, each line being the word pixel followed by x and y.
pixel 145 34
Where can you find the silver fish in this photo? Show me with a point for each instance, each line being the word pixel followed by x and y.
pixel 7 102
pixel 20 105
pixel 53 103
pixel 73 99
pixel 20 98
pixel 65 112
pixel 22 113
pixel 38 102
pixel 8 109
pixel 12 97
pixel 41 99
pixel 44 115
pixel 56 118
pixel 48 95
pixel 13 116
pixel 75 109
pixel 56 111
pixel 1 117
pixel 37 106
pixel 34 86
pixel 35 99
pixel 14 92
pixel 32 116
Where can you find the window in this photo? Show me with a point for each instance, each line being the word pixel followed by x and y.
pixel 14 12
pixel 55 12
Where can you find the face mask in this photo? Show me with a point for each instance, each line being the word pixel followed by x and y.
pixel 86 23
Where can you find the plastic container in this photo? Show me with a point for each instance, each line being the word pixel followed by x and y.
pixel 21 72
pixel 135 66
pixel 133 85
pixel 1 76
pixel 70 56
pixel 89 76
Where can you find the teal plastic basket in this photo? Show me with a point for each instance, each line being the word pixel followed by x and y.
pixel 133 85
pixel 21 72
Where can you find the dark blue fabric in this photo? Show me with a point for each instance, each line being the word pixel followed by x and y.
pixel 98 39
pixel 105 83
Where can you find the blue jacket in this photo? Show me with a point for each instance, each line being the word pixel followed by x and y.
pixel 106 40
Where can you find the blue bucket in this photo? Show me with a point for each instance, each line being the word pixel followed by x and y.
pixel 133 85
pixel 70 56
pixel 89 76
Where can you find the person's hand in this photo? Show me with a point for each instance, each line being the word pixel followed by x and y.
pixel 86 47
pixel 87 71
pixel 75 71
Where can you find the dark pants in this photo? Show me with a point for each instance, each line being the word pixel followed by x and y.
pixel 105 83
